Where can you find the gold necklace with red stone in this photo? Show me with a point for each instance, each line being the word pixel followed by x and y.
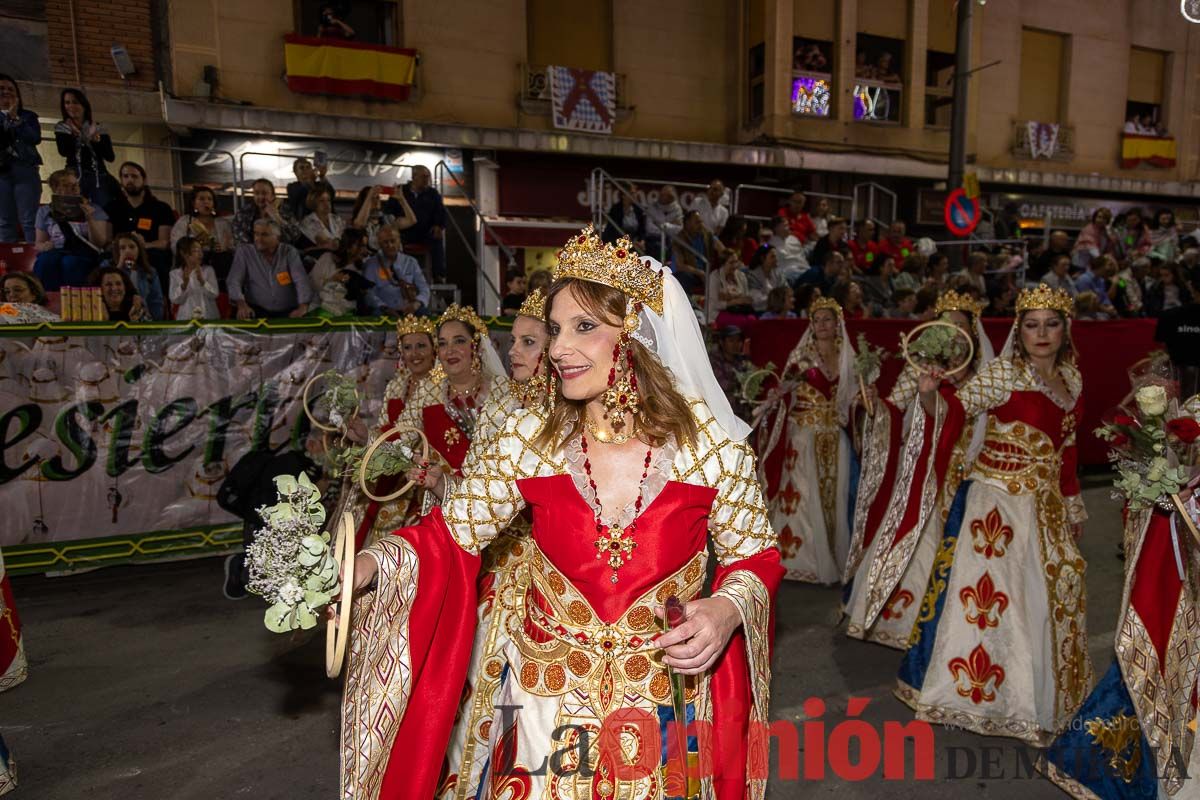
pixel 617 544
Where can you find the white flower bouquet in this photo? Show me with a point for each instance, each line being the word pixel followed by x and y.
pixel 291 563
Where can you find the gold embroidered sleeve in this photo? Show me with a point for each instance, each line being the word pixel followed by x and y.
pixel 905 390
pixel 738 522
pixel 989 389
pixel 1075 510
pixel 484 501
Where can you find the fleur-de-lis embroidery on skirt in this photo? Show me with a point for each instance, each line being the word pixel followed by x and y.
pixel 976 676
pixel 983 603
pixel 990 535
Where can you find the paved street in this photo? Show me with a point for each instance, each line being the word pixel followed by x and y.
pixel 145 683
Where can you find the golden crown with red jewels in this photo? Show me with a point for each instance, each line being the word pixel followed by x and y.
pixel 587 258
pixel 1043 298
pixel 951 300
pixel 534 305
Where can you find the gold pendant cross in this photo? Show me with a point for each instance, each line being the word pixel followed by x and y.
pixel 618 547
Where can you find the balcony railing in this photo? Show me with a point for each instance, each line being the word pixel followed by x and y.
pixel 1033 141
pixel 535 91
pixel 877 101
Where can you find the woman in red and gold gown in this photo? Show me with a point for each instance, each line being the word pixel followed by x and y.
pixel 903 526
pixel 1003 650
pixel 586 673
pixel 415 338
pixel 806 452
pixel 13 669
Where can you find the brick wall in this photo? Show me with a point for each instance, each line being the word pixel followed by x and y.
pixel 99 24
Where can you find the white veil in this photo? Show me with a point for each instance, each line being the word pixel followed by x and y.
pixel 847 382
pixel 676 339
pixel 489 359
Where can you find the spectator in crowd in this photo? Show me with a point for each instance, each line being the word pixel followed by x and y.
pixel 926 305
pixel 121 300
pixel 540 279
pixel 975 272
pixel 212 233
pixel 790 251
pixel 310 183
pixel 728 288
pixel 514 296
pixel 764 276
pixel 323 227
pixel 797 218
pixel 1060 245
pixel 1095 279
pixel 880 285
pixel 664 220
pixel 193 287
pixel 332 25
pixel 1008 222
pixel 24 288
pixel 821 216
pixel 1164 236
pixel 429 227
pixel 337 278
pixel 832 242
pixel 1168 291
pixel 1132 235
pixel 626 218
pixel 904 304
pixel 936 270
pixel 1125 289
pixel 736 237
pixel 1095 240
pixel 1087 306
pixel 20 180
pixel 86 146
pixel 368 215
pixel 268 277
pixel 728 361
pixel 911 275
pixel 398 285
pixel 862 69
pixel 137 210
pixel 1000 295
pixel 1178 329
pixel 836 268
pixel 781 302
pixel 711 206
pixel 804 296
pixel 1059 276
pixel 885 69
pixel 129 255
pixel 896 244
pixel 864 247
pixel 692 253
pixel 264 207
pixel 849 295
pixel 69 237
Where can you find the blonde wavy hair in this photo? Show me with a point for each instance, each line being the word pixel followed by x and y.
pixel 664 412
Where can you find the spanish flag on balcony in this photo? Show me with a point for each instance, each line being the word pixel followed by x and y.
pixel 341 67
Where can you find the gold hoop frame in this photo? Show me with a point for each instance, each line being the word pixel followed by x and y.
pixel 337 629
pixel 375 445
pixel 905 338
pixel 308 411
pixel 1187 518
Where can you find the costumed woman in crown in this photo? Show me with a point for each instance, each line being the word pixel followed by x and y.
pixel 1133 736
pixel 1004 651
pixel 806 453
pixel 532 383
pixel 586 679
pixel 415 339
pixel 924 473
pixel 13 669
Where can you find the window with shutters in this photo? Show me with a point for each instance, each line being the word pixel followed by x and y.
pixel 1043 76
pixel 1147 79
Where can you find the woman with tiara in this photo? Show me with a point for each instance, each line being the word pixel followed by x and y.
pixel 1134 736
pixel 1003 650
pixel 806 452
pixel 13 669
pixel 415 339
pixel 588 679
pixel 927 471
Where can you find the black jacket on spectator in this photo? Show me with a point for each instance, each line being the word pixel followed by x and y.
pixel 143 220
pixel 1043 263
pixel 86 159
pixel 823 248
pixel 251 484
pixel 616 227
pixel 428 208
pixel 297 196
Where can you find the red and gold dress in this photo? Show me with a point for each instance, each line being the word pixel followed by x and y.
pixel 1000 645
pixel 13 668
pixel 379 518
pixel 578 655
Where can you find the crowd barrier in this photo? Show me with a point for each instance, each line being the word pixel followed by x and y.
pixel 1107 349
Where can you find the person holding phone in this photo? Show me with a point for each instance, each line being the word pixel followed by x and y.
pixel 86 146
pixel 70 235
pixel 332 26
pixel 310 183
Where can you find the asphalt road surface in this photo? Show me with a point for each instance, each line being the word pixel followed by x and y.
pixel 146 684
